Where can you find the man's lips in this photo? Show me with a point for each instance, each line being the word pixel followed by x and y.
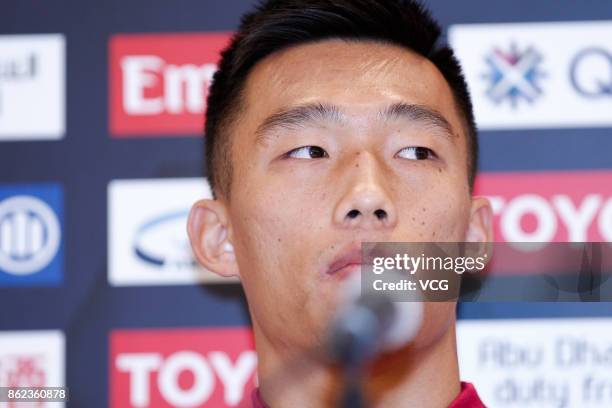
pixel 347 270
pixel 346 262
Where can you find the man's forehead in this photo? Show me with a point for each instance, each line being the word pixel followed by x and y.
pixel 338 62
pixel 356 75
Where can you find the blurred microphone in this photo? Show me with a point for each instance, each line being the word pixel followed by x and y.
pixel 368 323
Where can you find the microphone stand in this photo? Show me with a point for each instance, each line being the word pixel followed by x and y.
pixel 352 346
pixel 352 394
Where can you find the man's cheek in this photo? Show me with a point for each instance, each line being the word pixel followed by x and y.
pixel 280 221
pixel 277 242
pixel 451 224
pixel 439 223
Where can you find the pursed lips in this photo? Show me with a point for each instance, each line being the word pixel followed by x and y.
pixel 346 263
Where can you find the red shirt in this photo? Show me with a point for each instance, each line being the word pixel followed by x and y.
pixel 467 398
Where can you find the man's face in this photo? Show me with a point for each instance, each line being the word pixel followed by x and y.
pixel 339 142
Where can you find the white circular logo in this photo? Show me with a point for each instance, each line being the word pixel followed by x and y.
pixel 29 235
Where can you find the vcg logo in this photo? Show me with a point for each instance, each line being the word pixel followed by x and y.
pixel 591 73
pixel 30 235
pixel 513 75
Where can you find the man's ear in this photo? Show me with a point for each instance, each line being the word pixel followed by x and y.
pixel 208 227
pixel 481 221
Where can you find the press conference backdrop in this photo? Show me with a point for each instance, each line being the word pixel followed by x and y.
pixel 101 155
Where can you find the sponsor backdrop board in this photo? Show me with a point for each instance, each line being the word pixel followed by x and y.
pixel 538 362
pixel 101 155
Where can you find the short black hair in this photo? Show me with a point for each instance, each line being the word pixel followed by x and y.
pixel 275 25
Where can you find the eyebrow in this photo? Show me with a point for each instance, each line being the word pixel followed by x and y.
pixel 420 114
pixel 313 113
pixel 299 116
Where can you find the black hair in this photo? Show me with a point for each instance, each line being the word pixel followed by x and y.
pixel 275 25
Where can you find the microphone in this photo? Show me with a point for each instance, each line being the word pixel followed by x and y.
pixel 368 323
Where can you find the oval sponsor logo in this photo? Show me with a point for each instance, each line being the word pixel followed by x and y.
pixel 162 241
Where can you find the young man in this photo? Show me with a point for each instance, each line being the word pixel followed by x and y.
pixel 329 123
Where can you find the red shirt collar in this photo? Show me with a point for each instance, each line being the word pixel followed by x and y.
pixel 467 398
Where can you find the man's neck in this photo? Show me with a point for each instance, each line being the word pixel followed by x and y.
pixel 423 377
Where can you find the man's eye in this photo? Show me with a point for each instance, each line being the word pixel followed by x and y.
pixel 416 153
pixel 307 152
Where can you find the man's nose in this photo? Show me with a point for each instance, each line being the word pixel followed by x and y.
pixel 366 202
